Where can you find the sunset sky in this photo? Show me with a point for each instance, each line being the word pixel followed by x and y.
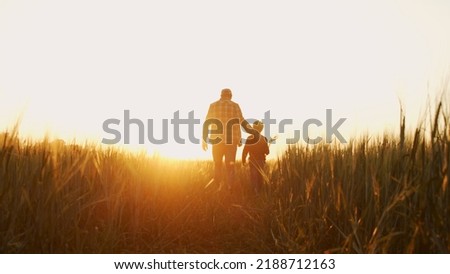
pixel 66 66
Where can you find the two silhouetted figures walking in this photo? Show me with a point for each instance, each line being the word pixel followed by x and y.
pixel 222 129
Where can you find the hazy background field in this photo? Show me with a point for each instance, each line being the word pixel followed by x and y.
pixel 67 66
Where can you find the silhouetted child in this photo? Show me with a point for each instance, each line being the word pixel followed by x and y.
pixel 257 146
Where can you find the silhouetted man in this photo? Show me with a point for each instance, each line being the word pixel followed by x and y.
pixel 223 127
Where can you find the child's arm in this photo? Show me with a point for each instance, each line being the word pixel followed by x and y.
pixel 244 154
pixel 266 146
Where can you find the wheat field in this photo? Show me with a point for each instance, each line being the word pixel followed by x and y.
pixel 377 194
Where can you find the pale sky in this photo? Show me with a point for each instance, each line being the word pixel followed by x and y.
pixel 66 66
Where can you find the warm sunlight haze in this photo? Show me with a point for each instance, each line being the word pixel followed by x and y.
pixel 67 66
pixel 286 132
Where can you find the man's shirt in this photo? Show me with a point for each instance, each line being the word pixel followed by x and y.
pixel 229 114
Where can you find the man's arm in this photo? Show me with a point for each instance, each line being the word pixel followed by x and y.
pixel 248 128
pixel 244 124
pixel 205 132
pixel 206 129
pixel 266 148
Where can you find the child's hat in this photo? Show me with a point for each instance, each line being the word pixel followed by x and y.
pixel 258 125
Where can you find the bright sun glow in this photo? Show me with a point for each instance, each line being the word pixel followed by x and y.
pixel 66 66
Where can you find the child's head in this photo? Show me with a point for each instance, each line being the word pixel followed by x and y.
pixel 258 126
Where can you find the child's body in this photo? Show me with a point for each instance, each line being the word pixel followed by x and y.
pixel 257 146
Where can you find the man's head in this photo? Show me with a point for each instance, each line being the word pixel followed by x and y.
pixel 258 126
pixel 226 93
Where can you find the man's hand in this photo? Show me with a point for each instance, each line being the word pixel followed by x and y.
pixel 204 145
